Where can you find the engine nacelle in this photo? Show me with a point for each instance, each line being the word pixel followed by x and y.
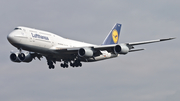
pixel 121 49
pixel 14 57
pixel 25 57
pixel 85 52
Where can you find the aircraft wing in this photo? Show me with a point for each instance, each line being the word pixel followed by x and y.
pixel 36 55
pixel 130 45
pixel 96 49
pixel 150 41
pixel 110 48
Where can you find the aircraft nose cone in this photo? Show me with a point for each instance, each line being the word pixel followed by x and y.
pixel 11 38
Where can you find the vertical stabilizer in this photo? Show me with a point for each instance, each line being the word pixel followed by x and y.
pixel 113 36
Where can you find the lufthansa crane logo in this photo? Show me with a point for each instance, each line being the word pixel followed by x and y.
pixel 115 36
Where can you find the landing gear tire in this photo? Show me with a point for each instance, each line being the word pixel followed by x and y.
pixel 51 67
pixel 76 63
pixel 80 64
pixel 64 65
pixel 50 63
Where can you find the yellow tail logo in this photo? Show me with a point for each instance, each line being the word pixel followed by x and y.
pixel 115 36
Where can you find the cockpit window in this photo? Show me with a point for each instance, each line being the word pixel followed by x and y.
pixel 17 29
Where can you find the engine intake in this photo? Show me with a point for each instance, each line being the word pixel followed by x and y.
pixel 25 57
pixel 85 52
pixel 117 49
pixel 14 57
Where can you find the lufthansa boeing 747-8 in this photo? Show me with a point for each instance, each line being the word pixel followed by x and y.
pixel 55 48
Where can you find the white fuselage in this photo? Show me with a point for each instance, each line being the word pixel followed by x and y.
pixel 40 43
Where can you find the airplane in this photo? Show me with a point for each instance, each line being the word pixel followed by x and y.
pixel 55 48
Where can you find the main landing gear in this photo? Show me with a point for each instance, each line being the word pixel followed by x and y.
pixel 75 63
pixel 50 64
pixel 64 65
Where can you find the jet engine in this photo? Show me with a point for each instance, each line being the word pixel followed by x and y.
pixel 121 49
pixel 25 57
pixel 14 57
pixel 85 52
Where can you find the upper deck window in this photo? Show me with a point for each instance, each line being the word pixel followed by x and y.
pixel 17 29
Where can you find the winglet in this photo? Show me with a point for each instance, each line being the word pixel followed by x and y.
pixel 113 36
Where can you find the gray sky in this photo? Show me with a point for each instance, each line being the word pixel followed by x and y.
pixel 150 75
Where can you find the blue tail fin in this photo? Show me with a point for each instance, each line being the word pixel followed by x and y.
pixel 113 36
